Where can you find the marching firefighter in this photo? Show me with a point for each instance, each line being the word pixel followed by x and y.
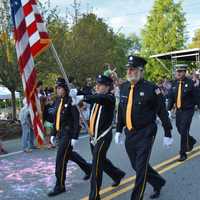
pixel 66 129
pixel 100 130
pixel 184 95
pixel 140 102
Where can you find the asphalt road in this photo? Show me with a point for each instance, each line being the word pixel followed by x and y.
pixel 31 176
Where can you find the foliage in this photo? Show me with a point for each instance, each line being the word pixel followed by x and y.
pixel 163 32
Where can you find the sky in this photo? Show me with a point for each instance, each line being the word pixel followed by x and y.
pixel 129 16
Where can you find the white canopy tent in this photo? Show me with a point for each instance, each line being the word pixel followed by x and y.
pixel 6 94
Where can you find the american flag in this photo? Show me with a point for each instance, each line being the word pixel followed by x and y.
pixel 31 39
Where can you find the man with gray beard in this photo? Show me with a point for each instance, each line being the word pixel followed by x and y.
pixel 140 102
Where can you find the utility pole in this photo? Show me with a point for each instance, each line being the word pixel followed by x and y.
pixel 1 4
pixel 49 3
pixel 5 16
pixel 76 7
pixel 89 9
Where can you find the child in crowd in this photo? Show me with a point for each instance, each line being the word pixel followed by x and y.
pixel 25 120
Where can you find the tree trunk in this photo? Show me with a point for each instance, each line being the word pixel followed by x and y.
pixel 14 117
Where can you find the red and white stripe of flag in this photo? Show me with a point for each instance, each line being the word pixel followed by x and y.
pixel 31 39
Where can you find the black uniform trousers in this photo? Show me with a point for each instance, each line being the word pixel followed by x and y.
pixel 183 122
pixel 99 164
pixel 64 154
pixel 138 147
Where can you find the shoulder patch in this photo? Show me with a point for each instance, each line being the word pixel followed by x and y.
pixel 158 91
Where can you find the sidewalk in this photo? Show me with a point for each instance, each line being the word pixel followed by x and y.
pixel 12 145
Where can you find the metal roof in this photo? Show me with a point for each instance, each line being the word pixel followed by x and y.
pixel 184 55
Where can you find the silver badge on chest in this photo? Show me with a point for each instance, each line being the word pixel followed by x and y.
pixel 66 105
pixel 141 94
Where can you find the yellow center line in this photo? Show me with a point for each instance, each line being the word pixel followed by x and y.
pixel 130 187
pixel 132 178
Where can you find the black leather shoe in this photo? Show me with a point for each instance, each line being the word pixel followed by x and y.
pixel 156 192
pixel 183 157
pixel 88 173
pixel 118 181
pixel 193 142
pixel 155 195
pixel 86 177
pixel 56 192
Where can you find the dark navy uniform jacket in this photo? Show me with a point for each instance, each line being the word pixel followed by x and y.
pixel 148 102
pixel 69 119
pixel 190 95
pixel 105 112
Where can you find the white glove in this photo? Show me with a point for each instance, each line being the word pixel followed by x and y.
pixel 73 93
pixel 167 142
pixel 53 140
pixel 74 142
pixel 170 114
pixel 118 138
pixel 77 99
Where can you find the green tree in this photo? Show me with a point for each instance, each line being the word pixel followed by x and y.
pixel 58 29
pixel 195 40
pixel 89 46
pixel 9 75
pixel 46 63
pixel 163 32
pixel 92 43
pixel 84 47
pixel 123 47
pixel 134 43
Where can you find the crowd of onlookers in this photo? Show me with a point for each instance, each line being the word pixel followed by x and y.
pixel 46 97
